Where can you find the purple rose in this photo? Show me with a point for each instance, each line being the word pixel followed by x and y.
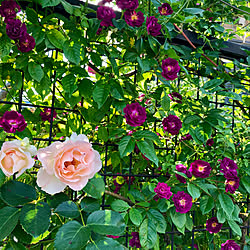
pixel 135 114
pixel 172 124
pixel 15 29
pixel 182 169
pixel 186 137
pixel 232 184
pixel 163 190
pixel 210 142
pixel 170 68
pixel 104 1
pixel 228 166
pixel 134 19
pixel 175 97
pixel 112 236
pixel 230 245
pixel 106 14
pixel 46 114
pixel 26 43
pixel 153 27
pixel 135 241
pixel 12 121
pixel 213 226
pixel 127 4
pixel 200 168
pixel 8 9
pixel 165 9
pixel 182 201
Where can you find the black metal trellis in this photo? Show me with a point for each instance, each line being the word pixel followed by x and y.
pixel 21 105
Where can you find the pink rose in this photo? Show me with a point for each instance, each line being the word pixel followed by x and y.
pixel 15 156
pixel 71 163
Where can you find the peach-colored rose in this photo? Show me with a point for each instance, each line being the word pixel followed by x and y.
pixel 71 163
pixel 15 156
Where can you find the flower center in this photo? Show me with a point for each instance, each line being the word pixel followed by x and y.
pixel 134 17
pixel 169 68
pixel 200 168
pixel 25 44
pixel 134 113
pixel 74 163
pixel 47 113
pixel 172 124
pixel 163 11
pixel 120 180
pixel 231 183
pixel 12 122
pixel 214 224
pixel 182 202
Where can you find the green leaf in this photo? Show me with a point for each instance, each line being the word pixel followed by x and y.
pixel 101 93
pixel 178 219
pixel 213 83
pixel 69 84
pixel 95 187
pixel 220 215
pixel 35 218
pixel 226 204
pixel 153 42
pixel 72 53
pixel 191 119
pixel 12 245
pixel 85 88
pixel 2 177
pixel 106 222
pixel 147 149
pixel 8 221
pixel 68 209
pixel 235 227
pixel 35 71
pixel 246 183
pixel 90 205
pixel 135 216
pixel 56 38
pixel 148 234
pixel 119 23
pixel 72 235
pixel 206 204
pixel 193 191
pixel 31 15
pixel 120 206
pixel 105 244
pixel 193 11
pixel 126 145
pixel 140 134
pixel 46 3
pixel 189 224
pixel 165 101
pixel 158 219
pixel 17 193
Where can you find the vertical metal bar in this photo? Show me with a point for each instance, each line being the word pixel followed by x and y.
pixel 105 172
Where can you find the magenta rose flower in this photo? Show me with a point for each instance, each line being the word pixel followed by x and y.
pixel 112 236
pixel 153 27
pixel 71 163
pixel 8 9
pixel 12 121
pixel 182 169
pixel 15 29
pixel 182 201
pixel 210 142
pixel 46 114
pixel 172 124
pixel 165 9
pixel 16 157
pixel 135 114
pixel 106 14
pixel 230 245
pixel 232 183
pixel 135 241
pixel 201 169
pixel 213 226
pixel 175 97
pixel 133 18
pixel 163 190
pixel 227 165
pixel 170 68
pixel 186 137
pixel 127 4
pixel 26 43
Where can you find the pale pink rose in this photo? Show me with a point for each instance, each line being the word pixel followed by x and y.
pixel 71 163
pixel 15 156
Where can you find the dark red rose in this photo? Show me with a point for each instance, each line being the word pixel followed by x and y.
pixel 165 9
pixel 213 226
pixel 153 27
pixel 170 68
pixel 182 169
pixel 106 14
pixel 201 169
pixel 133 18
pixel 182 201
pixel 230 245
pixel 172 124
pixel 175 97
pixel 135 241
pixel 46 114
pixel 163 190
pixel 210 142
pixel 232 183
pixel 26 43
pixel 8 9
pixel 15 29
pixel 127 4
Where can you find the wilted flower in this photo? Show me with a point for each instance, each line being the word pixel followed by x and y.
pixel 26 43
pixel 8 9
pixel 135 241
pixel 12 121
pixel 172 124
pixel 141 97
pixel 46 114
pixel 213 226
pixel 133 18
pixel 182 169
pixel 232 184
pixel 135 114
pixel 230 245
pixel 182 201
pixel 15 29
pixel 153 27
pixel 127 4
pixel 176 97
pixel 106 14
pixel 163 190
pixel 170 68
pixel 227 165
pixel 210 142
pixel 165 9
pixel 200 168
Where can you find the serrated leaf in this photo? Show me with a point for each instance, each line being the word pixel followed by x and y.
pixel 206 204
pixel 35 71
pixel 120 206
pixel 105 244
pixel 101 93
pixel 72 53
pixel 147 149
pixel 165 101
pixel 90 205
pixel 56 38
pixel 246 183
pixel 135 216
pixel 235 227
pixel 95 187
pixel 46 3
pixel 178 219
pixel 68 209
pixel 126 145
pixel 158 219
pixel 148 234
pixel 193 191
pixel 226 204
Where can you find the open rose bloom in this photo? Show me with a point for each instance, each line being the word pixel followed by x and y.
pixel 71 163
pixel 15 157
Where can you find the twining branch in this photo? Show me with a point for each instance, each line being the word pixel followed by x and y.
pixel 228 4
pixel 119 197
